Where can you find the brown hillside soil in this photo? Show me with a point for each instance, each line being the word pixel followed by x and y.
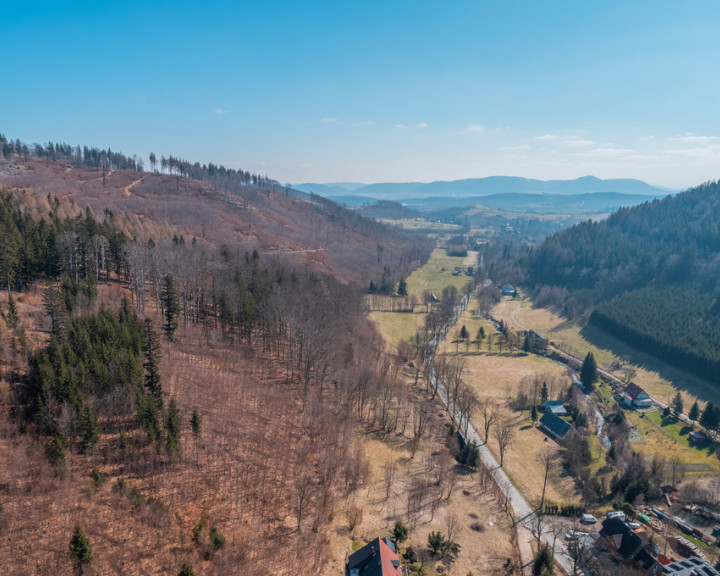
pixel 261 440
pixel 158 206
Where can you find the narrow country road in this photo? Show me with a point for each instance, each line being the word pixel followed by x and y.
pixel 524 515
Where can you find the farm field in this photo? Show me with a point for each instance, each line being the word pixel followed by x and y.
pixel 659 379
pixel 397 326
pixel 433 278
pixel 654 437
pixel 496 376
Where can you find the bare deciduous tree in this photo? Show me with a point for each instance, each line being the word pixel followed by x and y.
pixel 504 434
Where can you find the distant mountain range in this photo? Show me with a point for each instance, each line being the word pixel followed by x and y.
pixel 401 191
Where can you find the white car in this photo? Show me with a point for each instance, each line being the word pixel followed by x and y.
pixel 617 514
pixel 573 535
pixel 588 519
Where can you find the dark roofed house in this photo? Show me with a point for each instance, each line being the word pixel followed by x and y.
pixel 639 397
pixel 377 558
pixel 690 567
pixel 631 544
pixel 556 407
pixel 697 437
pixel 554 425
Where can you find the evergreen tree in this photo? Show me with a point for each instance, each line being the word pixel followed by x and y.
pixel 534 414
pixel 12 316
pixel 171 305
pixel 173 425
pixel 463 332
pixel 677 405
pixel 186 570
pixel 80 548
pixel 588 372
pixel 544 393
pixel 400 532
pixel 694 412
pixel 402 288
pixel 436 541
pixel 152 357
pixel 195 423
pixel 89 429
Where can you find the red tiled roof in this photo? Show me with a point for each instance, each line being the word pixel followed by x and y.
pixel 633 390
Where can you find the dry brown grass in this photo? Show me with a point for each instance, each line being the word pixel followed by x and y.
pixel 483 552
pixel 496 377
pixel 661 380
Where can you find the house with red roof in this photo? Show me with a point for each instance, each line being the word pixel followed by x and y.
pixel 638 397
pixel 377 558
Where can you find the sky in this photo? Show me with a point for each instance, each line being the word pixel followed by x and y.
pixel 375 91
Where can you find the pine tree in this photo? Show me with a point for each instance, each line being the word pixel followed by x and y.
pixel 694 412
pixel 195 423
pixel 171 304
pixel 80 548
pixel 544 393
pixel 12 316
pixel 677 405
pixel 402 288
pixel 186 570
pixel 400 532
pixel 588 372
pixel 173 425
pixel 89 429
pixel 152 356
pixel 533 414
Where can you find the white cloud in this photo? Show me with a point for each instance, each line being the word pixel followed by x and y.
pixel 691 138
pixel 515 148
pixel 547 137
pixel 364 123
pixel 477 128
pixel 606 153
pixel 219 111
pixel 330 120
pixel 575 142
pixel 422 125
pixel 701 152
pixel 400 126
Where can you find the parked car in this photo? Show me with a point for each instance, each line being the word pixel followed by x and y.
pixel 574 535
pixel 616 514
pixel 588 519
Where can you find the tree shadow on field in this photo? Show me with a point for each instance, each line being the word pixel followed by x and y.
pixel 680 379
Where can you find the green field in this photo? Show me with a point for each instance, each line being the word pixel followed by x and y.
pixel 397 326
pixel 670 439
pixel 437 273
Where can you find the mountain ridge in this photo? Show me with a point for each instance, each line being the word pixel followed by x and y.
pixel 486 186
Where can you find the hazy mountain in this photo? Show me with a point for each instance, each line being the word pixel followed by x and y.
pixel 400 191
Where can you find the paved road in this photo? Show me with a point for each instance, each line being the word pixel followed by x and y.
pixel 524 515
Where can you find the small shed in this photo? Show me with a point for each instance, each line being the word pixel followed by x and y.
pixel 508 290
pixel 556 407
pixel 697 437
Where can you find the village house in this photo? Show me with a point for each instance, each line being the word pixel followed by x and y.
pixel 554 426
pixel 636 397
pixel 377 558
pixel 508 290
pixel 631 545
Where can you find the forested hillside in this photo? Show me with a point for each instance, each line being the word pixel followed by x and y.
pixel 184 365
pixel 669 251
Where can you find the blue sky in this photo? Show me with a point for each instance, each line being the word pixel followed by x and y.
pixel 375 91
